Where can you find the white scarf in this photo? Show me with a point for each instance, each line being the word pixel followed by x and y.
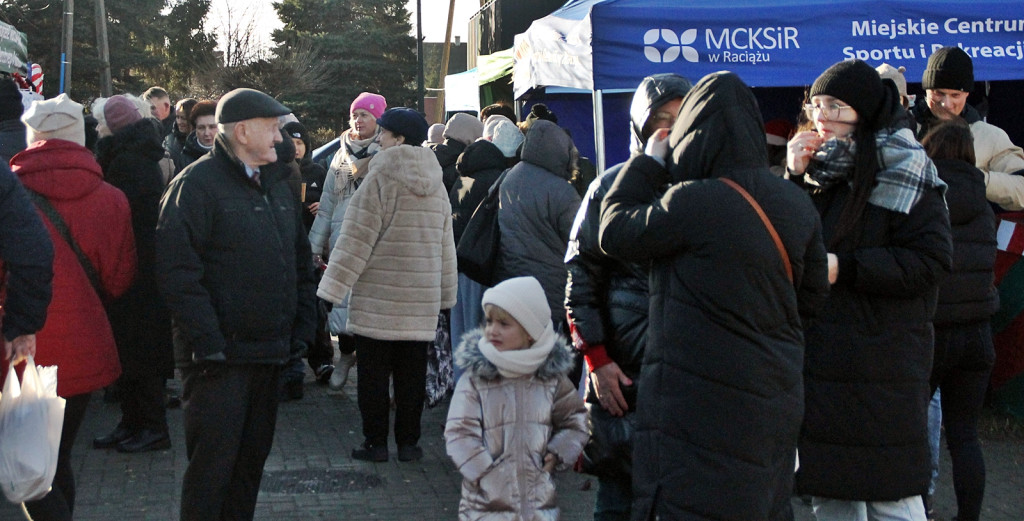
pixel 521 362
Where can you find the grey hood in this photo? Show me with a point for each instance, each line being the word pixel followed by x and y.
pixel 549 146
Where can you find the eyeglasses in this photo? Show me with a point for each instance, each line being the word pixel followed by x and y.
pixel 830 112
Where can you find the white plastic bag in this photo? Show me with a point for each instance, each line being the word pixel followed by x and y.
pixel 31 418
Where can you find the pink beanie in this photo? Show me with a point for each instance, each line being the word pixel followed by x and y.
pixel 370 102
pixel 119 112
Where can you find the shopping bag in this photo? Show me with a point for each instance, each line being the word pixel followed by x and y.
pixel 31 418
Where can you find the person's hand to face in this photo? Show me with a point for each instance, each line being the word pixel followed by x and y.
pixel 363 123
pixel 206 130
pixel 946 103
pixel 657 144
pixel 833 119
pixel 257 138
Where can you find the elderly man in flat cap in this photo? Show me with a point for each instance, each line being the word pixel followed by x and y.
pixel 234 265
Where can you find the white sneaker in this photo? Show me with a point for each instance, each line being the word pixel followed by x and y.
pixel 341 369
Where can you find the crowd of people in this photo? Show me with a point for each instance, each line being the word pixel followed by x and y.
pixel 758 314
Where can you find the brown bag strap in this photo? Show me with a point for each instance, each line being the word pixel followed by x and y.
pixel 767 224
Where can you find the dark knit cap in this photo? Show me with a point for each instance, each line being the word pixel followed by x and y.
pixel 949 68
pixel 855 83
pixel 405 122
pixel 296 130
pixel 243 104
pixel 10 100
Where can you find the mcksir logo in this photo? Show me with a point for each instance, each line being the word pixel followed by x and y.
pixel 676 45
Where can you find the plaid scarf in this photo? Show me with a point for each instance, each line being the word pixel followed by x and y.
pixel 906 171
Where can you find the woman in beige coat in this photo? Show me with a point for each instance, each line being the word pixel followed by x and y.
pixel 515 417
pixel 396 253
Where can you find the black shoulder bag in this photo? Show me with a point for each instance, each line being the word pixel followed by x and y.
pixel 62 228
pixel 477 251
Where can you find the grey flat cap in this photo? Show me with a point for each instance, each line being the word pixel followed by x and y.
pixel 243 104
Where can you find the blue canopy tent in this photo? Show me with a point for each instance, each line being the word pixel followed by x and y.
pixel 601 45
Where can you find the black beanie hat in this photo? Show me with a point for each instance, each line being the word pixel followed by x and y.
pixel 10 100
pixel 949 68
pixel 855 83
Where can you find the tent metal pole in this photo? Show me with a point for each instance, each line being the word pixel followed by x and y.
pixel 599 130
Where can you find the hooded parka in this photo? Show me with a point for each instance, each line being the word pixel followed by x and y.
pixel 479 166
pixel 720 390
pixel 537 209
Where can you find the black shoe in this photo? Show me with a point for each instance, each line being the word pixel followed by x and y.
pixel 370 453
pixel 146 440
pixel 292 391
pixel 323 373
pixel 410 453
pixel 111 440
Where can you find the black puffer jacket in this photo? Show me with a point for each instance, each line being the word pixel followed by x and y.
pixel 606 298
pixel 26 255
pixel 720 390
pixel 234 263
pixel 140 319
pixel 479 166
pixel 448 153
pixel 12 139
pixel 969 293
pixel 191 151
pixel 869 353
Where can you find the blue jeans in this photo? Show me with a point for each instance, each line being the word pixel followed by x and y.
pixel 934 434
pixel 906 509
pixel 467 314
pixel 614 499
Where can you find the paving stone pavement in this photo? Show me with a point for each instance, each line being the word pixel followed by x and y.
pixel 310 475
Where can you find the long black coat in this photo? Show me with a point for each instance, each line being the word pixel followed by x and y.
pixel 448 153
pixel 869 354
pixel 140 319
pixel 720 392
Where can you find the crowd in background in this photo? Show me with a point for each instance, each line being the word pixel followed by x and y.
pixel 734 292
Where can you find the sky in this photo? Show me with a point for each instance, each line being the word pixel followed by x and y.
pixel 435 17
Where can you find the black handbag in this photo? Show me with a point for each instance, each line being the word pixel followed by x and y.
pixel 477 251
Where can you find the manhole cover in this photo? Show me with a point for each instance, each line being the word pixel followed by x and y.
pixel 322 481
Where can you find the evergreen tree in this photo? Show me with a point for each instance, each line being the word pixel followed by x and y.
pixel 363 45
pixel 189 47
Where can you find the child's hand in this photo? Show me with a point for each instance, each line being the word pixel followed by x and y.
pixel 550 460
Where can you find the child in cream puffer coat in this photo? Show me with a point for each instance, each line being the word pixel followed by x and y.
pixel 515 416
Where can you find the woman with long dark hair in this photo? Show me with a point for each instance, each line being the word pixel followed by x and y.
pixel 864 441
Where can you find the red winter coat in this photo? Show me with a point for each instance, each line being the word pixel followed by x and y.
pixel 77 336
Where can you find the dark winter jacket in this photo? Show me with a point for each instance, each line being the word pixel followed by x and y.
pixel 26 259
pixel 537 209
pixel 174 143
pixel 720 390
pixel 479 166
pixel 869 353
pixel 314 176
pixel 77 335
pixel 448 153
pixel 12 139
pixel 140 320
pixel 969 293
pixel 606 298
pixel 191 151
pixel 233 263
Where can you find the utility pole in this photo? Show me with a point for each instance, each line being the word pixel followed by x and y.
pixel 106 85
pixel 65 55
pixel 419 54
pixel 444 61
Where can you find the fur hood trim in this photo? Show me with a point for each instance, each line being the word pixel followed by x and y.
pixel 469 358
pixel 415 167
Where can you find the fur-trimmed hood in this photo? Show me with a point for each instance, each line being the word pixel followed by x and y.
pixel 415 167
pixel 469 358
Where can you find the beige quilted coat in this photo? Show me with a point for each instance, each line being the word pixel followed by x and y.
pixel 499 430
pixel 395 250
